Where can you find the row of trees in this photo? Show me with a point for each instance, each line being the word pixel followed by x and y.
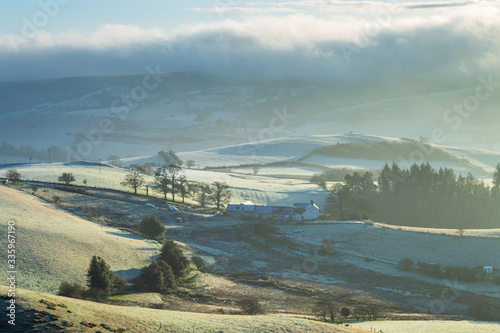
pixel 419 196
pixel 171 179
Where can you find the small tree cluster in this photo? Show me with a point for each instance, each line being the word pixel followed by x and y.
pixel 367 312
pixel 326 308
pixel 175 258
pixel 160 275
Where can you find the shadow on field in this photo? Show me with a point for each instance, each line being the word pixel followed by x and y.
pixel 125 235
pixel 128 273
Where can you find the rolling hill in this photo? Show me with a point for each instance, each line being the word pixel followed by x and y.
pixel 37 311
pixel 54 246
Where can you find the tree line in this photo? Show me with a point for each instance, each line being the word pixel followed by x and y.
pixel 418 196
pixel 171 179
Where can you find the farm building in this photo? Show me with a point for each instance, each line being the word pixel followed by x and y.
pixel 297 212
pixel 305 211
pixel 243 209
pixel 273 212
pixel 488 269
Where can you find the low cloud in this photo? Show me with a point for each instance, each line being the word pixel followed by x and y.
pixel 384 46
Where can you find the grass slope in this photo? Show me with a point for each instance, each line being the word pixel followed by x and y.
pixel 64 314
pixel 53 245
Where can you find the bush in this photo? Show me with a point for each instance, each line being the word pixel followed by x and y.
pixel 482 308
pixel 71 290
pixel 175 258
pixel 263 228
pixel 120 285
pixel 406 264
pixel 56 199
pixel 200 263
pixel 250 306
pixel 430 269
pixel 152 227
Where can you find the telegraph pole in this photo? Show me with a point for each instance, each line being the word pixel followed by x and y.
pixel 49 155
pixel 99 165
pixel 30 157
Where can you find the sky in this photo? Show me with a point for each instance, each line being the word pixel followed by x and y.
pixel 330 39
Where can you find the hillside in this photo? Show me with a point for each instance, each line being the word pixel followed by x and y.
pixel 62 314
pixel 53 245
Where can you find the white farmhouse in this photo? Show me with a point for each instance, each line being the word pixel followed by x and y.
pixel 305 211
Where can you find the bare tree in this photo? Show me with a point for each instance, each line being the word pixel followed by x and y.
pixel 183 187
pixel 220 193
pixel 66 178
pixel 326 307
pixel 13 176
pixel 174 171
pixel 190 163
pixel 133 180
pixel 162 181
pixel 203 191
pixel 115 160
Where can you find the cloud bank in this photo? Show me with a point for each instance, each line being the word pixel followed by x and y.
pixel 386 44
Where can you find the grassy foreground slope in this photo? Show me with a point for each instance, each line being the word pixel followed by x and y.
pixel 36 311
pixel 52 245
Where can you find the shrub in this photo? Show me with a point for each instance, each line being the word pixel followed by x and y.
pixel 120 285
pixel 152 227
pixel 406 264
pixel 71 290
pixel 430 269
pixel 482 308
pixel 263 228
pixel 250 306
pixel 56 199
pixel 200 263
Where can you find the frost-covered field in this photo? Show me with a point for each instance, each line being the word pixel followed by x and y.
pixel 105 176
pixel 260 189
pixel 292 170
pixel 434 326
pixel 358 241
pixel 54 246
